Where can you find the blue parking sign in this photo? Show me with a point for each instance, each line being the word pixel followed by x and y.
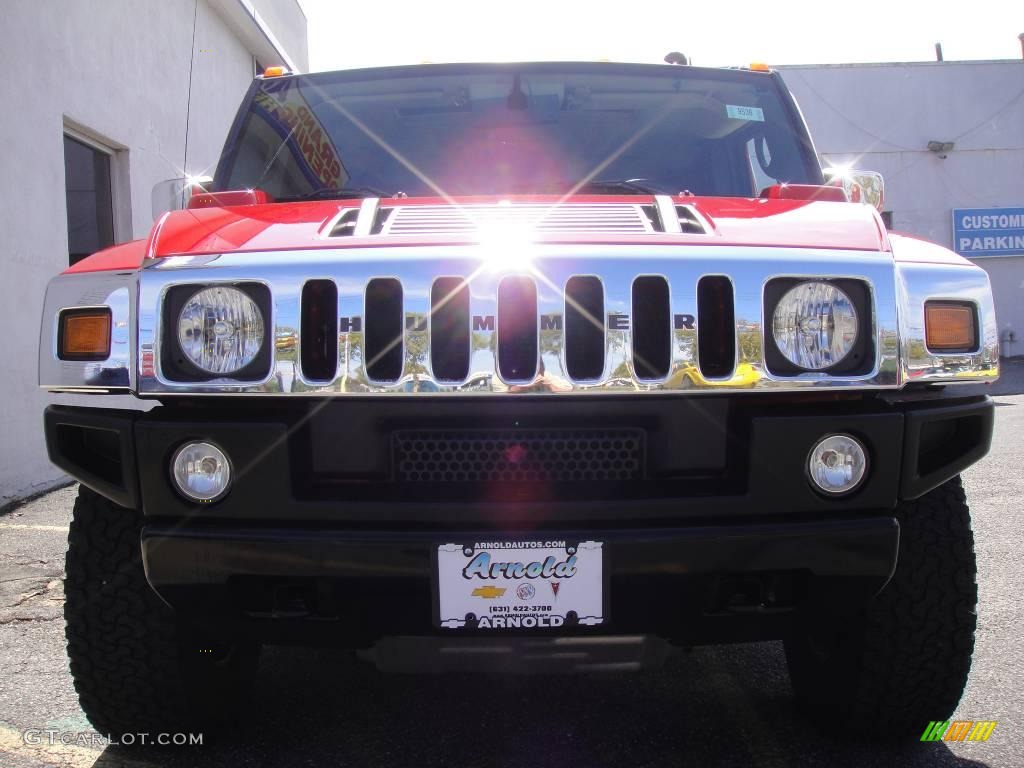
pixel 988 231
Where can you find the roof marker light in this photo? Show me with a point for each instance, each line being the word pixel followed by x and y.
pixel 759 66
pixel 275 71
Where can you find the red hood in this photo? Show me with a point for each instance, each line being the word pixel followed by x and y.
pixel 734 221
pixel 294 226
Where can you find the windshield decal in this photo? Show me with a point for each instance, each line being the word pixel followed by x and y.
pixel 744 113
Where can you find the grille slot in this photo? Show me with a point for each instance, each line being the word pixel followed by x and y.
pixel 716 327
pixel 584 328
pixel 383 329
pixel 518 456
pixel 449 329
pixel 517 329
pixel 319 330
pixel 652 330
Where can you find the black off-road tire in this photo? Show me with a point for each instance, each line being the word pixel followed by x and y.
pixel 904 663
pixel 137 668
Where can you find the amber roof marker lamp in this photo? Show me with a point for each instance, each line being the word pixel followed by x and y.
pixel 84 334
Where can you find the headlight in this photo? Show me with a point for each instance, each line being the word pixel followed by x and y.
pixel 220 330
pixel 815 325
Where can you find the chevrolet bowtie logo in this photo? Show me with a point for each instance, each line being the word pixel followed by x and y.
pixel 489 592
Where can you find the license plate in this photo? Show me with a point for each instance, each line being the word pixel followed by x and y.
pixel 520 584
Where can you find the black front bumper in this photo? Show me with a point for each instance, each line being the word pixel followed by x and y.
pixel 694 585
pixel 721 538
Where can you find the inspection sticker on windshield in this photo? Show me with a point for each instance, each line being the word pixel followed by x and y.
pixel 745 113
pixel 520 584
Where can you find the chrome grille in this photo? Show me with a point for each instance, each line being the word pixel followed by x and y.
pixel 545 319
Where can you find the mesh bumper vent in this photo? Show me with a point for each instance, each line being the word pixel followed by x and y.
pixel 518 456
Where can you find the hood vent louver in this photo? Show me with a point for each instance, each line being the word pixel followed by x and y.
pixel 345 225
pixel 653 219
pixel 380 220
pixel 689 222
pixel 613 218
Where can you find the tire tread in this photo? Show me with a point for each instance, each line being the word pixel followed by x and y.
pixel 128 653
pixel 906 663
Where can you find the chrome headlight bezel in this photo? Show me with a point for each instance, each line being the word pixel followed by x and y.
pixel 860 358
pixel 177 365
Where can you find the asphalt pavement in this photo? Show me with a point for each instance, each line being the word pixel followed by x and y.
pixel 729 705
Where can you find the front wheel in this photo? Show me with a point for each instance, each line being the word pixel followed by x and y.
pixel 136 666
pixel 904 663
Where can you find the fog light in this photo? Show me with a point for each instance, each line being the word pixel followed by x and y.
pixel 837 464
pixel 201 471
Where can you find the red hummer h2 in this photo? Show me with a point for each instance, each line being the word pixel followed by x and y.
pixel 492 352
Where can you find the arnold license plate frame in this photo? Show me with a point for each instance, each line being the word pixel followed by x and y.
pixel 520 584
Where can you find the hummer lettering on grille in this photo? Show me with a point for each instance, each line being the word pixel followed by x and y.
pixel 618 321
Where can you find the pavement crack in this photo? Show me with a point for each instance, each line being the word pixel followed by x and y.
pixel 28 596
pixel 28 619
pixel 33 577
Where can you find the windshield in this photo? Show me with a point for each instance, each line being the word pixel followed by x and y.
pixel 517 129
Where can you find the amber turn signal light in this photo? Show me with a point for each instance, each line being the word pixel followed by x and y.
pixel 84 334
pixel 949 327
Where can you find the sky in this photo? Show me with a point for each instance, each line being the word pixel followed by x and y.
pixel 345 34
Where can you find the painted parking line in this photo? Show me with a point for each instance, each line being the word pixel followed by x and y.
pixel 33 527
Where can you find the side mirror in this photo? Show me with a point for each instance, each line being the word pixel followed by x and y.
pixel 861 186
pixel 174 194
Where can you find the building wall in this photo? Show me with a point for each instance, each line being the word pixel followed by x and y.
pixel 117 71
pixel 880 117
pixel 288 23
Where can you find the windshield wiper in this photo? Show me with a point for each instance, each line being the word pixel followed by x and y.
pixel 337 193
pixel 626 186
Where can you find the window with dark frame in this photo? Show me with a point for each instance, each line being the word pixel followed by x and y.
pixel 89 202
